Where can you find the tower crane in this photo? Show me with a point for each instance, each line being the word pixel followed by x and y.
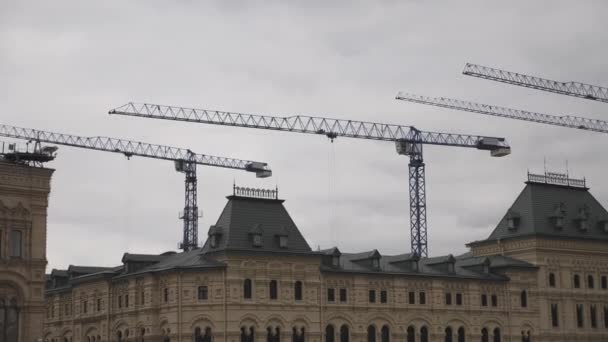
pixel 185 162
pixel 576 89
pixel 408 140
pixel 570 121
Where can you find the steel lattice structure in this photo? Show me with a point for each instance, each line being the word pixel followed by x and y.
pixel 408 139
pixel 576 89
pixel 569 121
pixel 185 161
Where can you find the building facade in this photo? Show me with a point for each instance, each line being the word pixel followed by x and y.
pixel 24 194
pixel 539 276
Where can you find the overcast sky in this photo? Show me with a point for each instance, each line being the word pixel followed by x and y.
pixel 64 64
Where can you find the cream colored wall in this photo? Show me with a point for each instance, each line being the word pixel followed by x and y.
pixel 226 314
pixel 23 205
pixel 564 258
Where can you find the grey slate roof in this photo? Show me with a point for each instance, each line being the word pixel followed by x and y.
pixel 244 216
pixel 427 267
pixel 538 203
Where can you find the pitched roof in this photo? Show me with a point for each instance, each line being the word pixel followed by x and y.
pixel 244 216
pixel 537 206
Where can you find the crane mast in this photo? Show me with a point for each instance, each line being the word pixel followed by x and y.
pixel 408 141
pixel 569 121
pixel 576 89
pixel 185 161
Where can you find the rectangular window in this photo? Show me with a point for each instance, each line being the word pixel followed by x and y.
pixel 143 297
pixel 593 316
pixel 484 300
pixel 448 299
pixel 203 293
pixel 119 302
pixel 166 294
pixel 126 301
pixel 98 305
pixel 422 298
pixel 383 296
pixel 372 296
pixel 66 309
pixel 604 282
pixel 577 281
pixel 579 316
pixel 554 316
pixel 412 297
pixel 331 295
pixel 273 290
pixel 343 295
pixel 84 306
pixel 494 300
pixel 606 316
pixel 459 299
pixel 16 243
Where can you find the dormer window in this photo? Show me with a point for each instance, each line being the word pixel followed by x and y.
pixel 257 240
pixel 215 234
pixel 583 219
pixel 256 235
pixel 557 218
pixel 604 226
pixel 335 261
pixel 283 241
pixel 376 263
pixel 451 267
pixel 513 219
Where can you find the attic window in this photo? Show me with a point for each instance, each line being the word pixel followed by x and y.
pixel 583 219
pixel 283 241
pixel 604 226
pixel 513 220
pixel 257 240
pixel 451 268
pixel 213 241
pixel 335 261
pixel 376 262
pixel 557 218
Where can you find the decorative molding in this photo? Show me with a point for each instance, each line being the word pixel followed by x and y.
pixel 18 212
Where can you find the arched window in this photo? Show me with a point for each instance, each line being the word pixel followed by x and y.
pixel 247 289
pixel 448 334
pixel 119 336
pixel 10 320
pixel 590 282
pixel 298 290
pixel 496 334
pixel 385 334
pixel 461 335
pixel 344 333
pixel 371 333
pixel 208 336
pixel 411 334
pixel 298 335
pixel 424 334
pixel 16 243
pixel 273 290
pixel 273 334
pixel 524 299
pixel 485 337
pixel 551 280
pixel 247 334
pixel 577 281
pixel 329 333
